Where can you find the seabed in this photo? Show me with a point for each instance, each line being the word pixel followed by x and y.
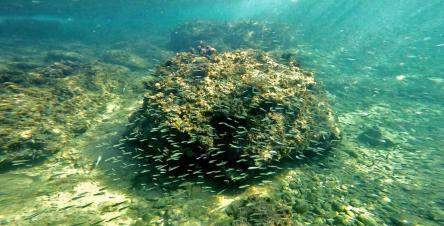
pixel 383 171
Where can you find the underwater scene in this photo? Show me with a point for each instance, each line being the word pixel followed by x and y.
pixel 222 112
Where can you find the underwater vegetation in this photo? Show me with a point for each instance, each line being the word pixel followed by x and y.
pixel 229 116
pixel 43 108
pixel 259 35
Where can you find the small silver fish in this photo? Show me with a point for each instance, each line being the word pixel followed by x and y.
pixel 99 159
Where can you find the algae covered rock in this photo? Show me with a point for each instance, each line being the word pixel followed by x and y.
pixel 125 58
pixel 258 210
pixel 43 108
pixel 374 137
pixel 231 35
pixel 228 116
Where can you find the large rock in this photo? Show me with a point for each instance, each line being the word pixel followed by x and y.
pixel 42 109
pixel 230 115
pixel 231 35
pixel 125 58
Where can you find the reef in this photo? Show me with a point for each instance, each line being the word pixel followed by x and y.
pixel 42 108
pixel 229 117
pixel 231 35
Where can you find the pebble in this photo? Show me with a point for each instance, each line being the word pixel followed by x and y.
pixel 366 220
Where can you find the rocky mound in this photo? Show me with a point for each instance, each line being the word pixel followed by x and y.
pixel 231 35
pixel 41 109
pixel 229 116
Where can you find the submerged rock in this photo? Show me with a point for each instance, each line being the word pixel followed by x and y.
pixel 231 35
pixel 229 116
pixel 42 109
pixel 374 137
pixel 257 210
pixel 125 58
pixel 61 55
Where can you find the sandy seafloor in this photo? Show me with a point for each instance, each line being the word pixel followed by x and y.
pixel 356 184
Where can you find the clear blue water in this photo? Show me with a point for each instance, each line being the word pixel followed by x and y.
pixel 381 63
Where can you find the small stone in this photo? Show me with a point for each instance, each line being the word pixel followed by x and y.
pixel 340 220
pixel 318 210
pixel 318 220
pixel 386 199
pixel 373 137
pixel 294 185
pixel 352 153
pixel 79 129
pixel 355 202
pixel 338 206
pixel 400 222
pixel 300 206
pixel 367 220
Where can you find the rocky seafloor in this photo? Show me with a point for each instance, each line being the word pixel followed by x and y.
pixel 383 171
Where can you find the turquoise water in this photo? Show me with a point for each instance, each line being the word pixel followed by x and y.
pixel 73 72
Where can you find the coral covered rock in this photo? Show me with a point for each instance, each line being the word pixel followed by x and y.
pixel 230 115
pixel 231 35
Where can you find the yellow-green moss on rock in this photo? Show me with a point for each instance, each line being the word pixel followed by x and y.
pixel 230 115
pixel 43 108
